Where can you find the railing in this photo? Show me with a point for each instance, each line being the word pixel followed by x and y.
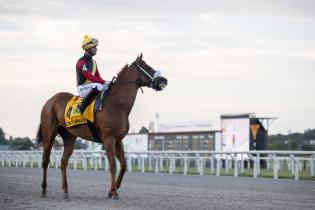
pixel 177 161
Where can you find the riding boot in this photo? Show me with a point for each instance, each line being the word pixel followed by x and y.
pixel 87 100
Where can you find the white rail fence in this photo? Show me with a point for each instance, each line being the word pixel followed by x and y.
pixel 177 161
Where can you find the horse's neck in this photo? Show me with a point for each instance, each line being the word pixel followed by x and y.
pixel 124 94
pixel 126 98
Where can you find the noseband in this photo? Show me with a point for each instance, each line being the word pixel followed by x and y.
pixel 145 73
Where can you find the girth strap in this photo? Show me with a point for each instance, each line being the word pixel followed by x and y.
pixel 94 132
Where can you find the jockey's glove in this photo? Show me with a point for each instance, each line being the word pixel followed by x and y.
pixel 106 84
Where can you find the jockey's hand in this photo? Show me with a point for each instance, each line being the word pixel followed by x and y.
pixel 106 85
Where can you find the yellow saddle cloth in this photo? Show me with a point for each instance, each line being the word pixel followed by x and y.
pixel 74 117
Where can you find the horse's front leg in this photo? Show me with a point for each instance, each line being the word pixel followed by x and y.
pixel 109 144
pixel 120 153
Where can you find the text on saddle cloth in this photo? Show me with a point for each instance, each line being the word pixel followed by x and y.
pixel 73 116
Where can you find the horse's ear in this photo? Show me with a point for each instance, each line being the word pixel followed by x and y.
pixel 141 56
pixel 137 58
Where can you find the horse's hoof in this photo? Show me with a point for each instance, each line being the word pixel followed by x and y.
pixel 110 195
pixel 65 195
pixel 114 197
pixel 43 195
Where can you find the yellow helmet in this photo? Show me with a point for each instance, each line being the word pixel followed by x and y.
pixel 89 42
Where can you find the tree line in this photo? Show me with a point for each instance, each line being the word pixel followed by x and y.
pixel 25 143
pixel 292 141
pixel 18 143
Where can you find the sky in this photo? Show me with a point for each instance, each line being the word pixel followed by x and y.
pixel 220 57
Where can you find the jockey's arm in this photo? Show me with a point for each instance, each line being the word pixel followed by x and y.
pixel 93 78
pixel 97 74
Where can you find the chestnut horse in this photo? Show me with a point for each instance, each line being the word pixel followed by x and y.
pixel 111 123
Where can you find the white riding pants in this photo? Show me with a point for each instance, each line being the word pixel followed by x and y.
pixel 84 90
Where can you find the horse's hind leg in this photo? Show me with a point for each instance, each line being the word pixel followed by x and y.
pixel 68 143
pixel 120 154
pixel 49 135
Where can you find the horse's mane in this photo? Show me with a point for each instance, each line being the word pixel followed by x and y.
pixel 121 72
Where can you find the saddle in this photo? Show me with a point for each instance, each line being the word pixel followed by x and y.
pixel 73 117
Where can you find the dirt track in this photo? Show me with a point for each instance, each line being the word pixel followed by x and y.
pixel 20 189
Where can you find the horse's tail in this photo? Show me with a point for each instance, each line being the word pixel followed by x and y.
pixel 39 135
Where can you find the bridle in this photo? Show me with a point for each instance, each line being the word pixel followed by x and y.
pixel 154 83
pixel 139 81
pixel 146 74
pixel 151 78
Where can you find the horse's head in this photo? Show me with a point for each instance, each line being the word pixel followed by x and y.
pixel 152 78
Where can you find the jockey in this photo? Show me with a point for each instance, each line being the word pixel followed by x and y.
pixel 89 80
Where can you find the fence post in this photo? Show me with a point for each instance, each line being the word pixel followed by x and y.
pixel 150 162
pixel 10 160
pixel 3 158
pixel 227 164
pixel 85 162
pixel 312 166
pixel 292 167
pixel 170 165
pixel 156 164
pixel 142 164
pixel 129 160
pixel 75 163
pixel 185 164
pixel 24 161
pixel 174 162
pixel 197 162
pixel 212 164
pixel 242 163
pixel 39 165
pixel 255 167
pixel 201 166
pixel 161 163
pixel 254 159
pixel 275 168
pixel 218 166
pixel 16 161
pixel 297 165
pixel 100 160
pixel 31 158
pixel 235 165
pixel 258 164
pixel 139 163
pixel 95 162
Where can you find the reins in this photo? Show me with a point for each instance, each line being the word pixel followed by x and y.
pixel 137 82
